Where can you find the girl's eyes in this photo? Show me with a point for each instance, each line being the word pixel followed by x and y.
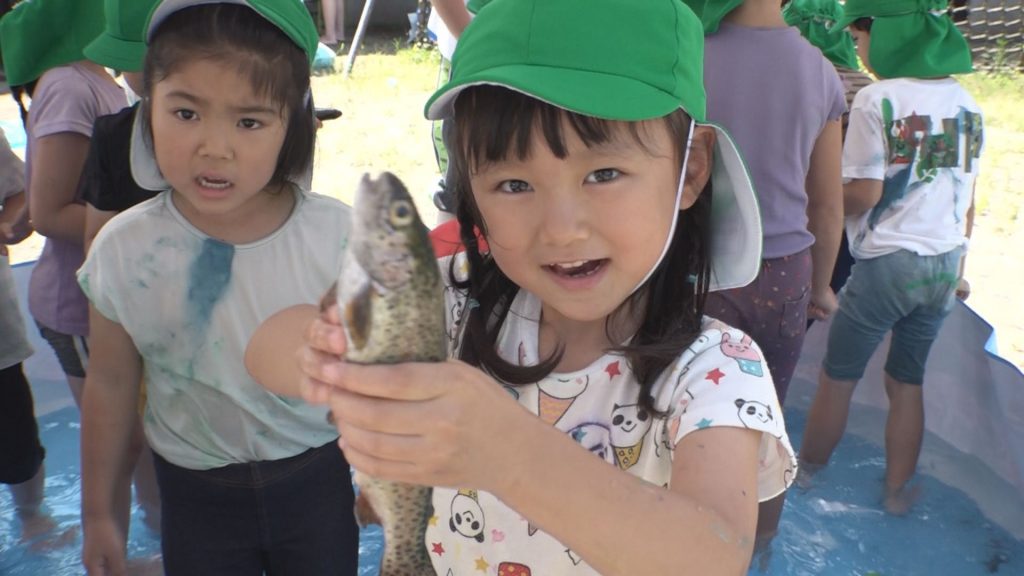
pixel 514 186
pixel 603 175
pixel 189 115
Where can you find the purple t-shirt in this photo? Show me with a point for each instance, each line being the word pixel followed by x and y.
pixel 67 99
pixel 774 92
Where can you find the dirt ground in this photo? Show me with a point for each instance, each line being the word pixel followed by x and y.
pixel 388 133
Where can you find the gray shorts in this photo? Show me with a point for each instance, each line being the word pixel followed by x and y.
pixel 903 292
pixel 72 351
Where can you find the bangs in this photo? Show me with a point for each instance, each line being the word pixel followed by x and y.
pixel 494 123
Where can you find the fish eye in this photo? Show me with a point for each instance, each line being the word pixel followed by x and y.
pixel 401 213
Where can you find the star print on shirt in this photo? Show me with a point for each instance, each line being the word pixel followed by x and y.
pixel 715 375
pixel 612 370
pixel 437 548
pixel 704 423
pixel 482 564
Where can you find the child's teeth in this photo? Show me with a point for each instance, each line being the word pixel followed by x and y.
pixel 571 265
pixel 214 183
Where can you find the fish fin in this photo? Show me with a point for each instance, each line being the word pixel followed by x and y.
pixel 365 514
pixel 358 317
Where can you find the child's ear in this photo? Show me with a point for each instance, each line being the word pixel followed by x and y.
pixel 699 165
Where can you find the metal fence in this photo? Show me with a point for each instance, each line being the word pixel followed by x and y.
pixel 995 30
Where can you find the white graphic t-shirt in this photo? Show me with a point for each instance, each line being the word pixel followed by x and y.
pixel 922 139
pixel 720 380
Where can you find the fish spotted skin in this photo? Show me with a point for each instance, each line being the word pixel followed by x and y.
pixel 391 302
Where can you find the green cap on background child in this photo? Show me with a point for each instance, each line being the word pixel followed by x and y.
pixel 122 45
pixel 42 34
pixel 582 56
pixel 816 21
pixel 911 38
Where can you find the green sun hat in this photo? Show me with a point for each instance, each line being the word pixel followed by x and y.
pixel 911 38
pixel 711 12
pixel 122 45
pixel 816 21
pixel 42 34
pixel 290 16
pixel 625 60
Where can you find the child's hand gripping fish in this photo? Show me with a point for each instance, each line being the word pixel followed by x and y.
pixel 391 305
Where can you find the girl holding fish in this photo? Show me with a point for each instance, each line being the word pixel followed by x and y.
pixel 590 419
pixel 250 482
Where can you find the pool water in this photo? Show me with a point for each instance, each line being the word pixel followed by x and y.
pixel 835 527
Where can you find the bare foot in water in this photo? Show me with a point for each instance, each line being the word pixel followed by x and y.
pixel 899 501
pixel 41 533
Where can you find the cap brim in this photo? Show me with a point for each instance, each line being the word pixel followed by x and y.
pixel 736 234
pixel 146 171
pixel 143 160
pixel 566 88
pixel 116 53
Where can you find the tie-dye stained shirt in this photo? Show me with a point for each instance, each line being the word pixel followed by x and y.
pixel 923 140
pixel 190 303
pixel 720 380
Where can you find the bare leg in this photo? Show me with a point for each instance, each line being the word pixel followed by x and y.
pixel 333 13
pixel 826 420
pixel 768 515
pixel 904 432
pixel 76 385
pixel 28 504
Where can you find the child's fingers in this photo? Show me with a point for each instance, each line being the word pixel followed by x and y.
pixel 326 336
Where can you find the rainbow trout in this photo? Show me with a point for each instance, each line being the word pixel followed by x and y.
pixel 392 307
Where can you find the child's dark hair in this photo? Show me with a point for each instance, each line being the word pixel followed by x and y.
pixel 494 123
pixel 863 24
pixel 274 64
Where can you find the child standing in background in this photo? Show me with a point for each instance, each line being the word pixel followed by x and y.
pixel 42 47
pixel 791 140
pixel 250 483
pixel 21 453
pixel 910 162
pixel 816 21
pixel 595 421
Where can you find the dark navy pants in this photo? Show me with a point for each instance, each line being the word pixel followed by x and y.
pixel 280 518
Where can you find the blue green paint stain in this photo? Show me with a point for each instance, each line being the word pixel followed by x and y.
pixel 209 277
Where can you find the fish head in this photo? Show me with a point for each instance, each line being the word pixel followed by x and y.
pixel 388 240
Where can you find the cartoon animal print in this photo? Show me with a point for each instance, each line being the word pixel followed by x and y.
pixel 755 414
pixel 596 438
pixel 630 424
pixel 467 516
pixel 743 352
pixel 556 395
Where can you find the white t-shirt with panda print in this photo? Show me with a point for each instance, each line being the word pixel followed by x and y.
pixel 720 380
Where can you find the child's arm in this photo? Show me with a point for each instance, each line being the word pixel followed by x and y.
pixel 14 226
pixel 270 356
pixel 57 162
pixel 963 289
pixel 109 406
pixel 861 195
pixel 454 15
pixel 448 424
pixel 825 216
pixel 94 220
